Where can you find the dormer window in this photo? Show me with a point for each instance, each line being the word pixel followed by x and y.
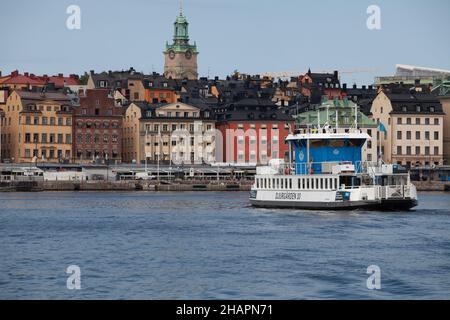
pixel 418 108
pixel 431 109
pixel 404 108
pixel 103 84
pixel 165 84
pixel 149 114
pixel 150 84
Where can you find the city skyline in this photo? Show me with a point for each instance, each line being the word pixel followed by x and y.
pixel 331 36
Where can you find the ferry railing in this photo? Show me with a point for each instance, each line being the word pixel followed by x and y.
pixel 366 167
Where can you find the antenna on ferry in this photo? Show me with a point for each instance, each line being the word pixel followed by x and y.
pixel 318 119
pixel 356 116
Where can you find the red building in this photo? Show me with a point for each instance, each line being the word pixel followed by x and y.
pixel 97 128
pixel 253 131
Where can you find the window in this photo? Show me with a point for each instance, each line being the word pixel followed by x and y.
pixel 436 135
pixel 399 120
pixel 408 150
pixel 417 135
pixel 52 138
pixel 52 121
pixel 417 120
pixel 408 135
pixel 427 151
pixel 68 121
pixel 44 120
pixel 44 138
pixel 399 135
pixel 418 108
pixel 431 109
pixel 60 138
pixel 79 138
pixel 28 120
pixel 417 150
pixel 105 138
pixel 408 120
pixel 399 150
pixel 427 120
pixel 427 135
pixel 68 138
pixel 36 137
pixel 27 153
pixel 27 137
pixel 436 121
pixel 36 120
pixel 60 121
pixel 436 151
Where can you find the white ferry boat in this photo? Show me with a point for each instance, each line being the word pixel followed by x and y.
pixel 327 174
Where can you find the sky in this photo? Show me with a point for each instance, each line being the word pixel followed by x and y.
pixel 251 36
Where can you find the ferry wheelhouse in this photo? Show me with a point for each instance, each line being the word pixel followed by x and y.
pixel 326 172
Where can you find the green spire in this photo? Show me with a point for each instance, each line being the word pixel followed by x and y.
pixel 181 35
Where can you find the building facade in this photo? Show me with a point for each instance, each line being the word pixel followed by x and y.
pixel 97 128
pixel 181 56
pixel 252 131
pixel 443 92
pixel 37 127
pixel 414 128
pixel 176 133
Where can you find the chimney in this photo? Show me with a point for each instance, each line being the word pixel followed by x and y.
pixel 370 87
pixel 344 86
pixel 15 73
pixel 354 86
pixel 26 74
pixel 60 75
pixel 92 71
pixel 364 87
pixel 335 73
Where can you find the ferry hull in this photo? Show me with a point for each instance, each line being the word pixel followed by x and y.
pixel 382 205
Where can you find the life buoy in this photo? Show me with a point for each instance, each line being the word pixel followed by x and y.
pixel 287 171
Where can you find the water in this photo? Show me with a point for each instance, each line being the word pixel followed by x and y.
pixel 214 246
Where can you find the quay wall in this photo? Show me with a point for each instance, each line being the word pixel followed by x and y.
pixel 164 186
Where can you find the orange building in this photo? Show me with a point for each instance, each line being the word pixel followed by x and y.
pixel 159 90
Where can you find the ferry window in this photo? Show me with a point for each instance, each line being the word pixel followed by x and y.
pixel 299 183
pixel 257 183
pixel 321 183
pixel 326 183
pixel 273 184
pixel 312 183
pixel 307 183
pixel 290 183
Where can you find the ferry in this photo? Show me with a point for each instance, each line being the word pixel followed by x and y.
pixel 326 172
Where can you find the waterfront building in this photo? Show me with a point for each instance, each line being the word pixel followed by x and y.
pixel 37 127
pixel 181 56
pixel 253 131
pixel 344 110
pixel 413 123
pixel 171 133
pixel 443 92
pixel 97 128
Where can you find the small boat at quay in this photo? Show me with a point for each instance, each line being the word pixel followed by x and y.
pixel 326 172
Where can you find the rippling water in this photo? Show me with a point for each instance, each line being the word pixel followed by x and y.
pixel 214 246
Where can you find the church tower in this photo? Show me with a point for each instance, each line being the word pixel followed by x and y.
pixel 180 56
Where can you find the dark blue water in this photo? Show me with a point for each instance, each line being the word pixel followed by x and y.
pixel 214 246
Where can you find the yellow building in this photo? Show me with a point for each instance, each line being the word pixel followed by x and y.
pixel 37 127
pixel 172 133
pixel 414 128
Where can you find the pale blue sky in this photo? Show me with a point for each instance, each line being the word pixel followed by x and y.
pixel 252 36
